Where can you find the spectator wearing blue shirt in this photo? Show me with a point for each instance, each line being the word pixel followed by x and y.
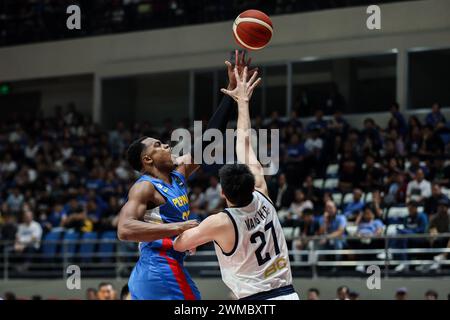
pixel 415 223
pixel 435 116
pixel 332 226
pixel 318 123
pixel 397 119
pixel 354 208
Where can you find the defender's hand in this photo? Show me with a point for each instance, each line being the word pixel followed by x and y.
pixel 244 89
pixel 240 64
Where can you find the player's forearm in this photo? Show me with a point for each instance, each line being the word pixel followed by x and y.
pixel 135 230
pixel 243 141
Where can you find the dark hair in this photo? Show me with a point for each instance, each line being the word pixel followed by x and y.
pixel 308 211
pixel 431 292
pixel 124 292
pixel 342 288
pixel 104 284
pixel 238 183
pixel 134 153
pixel 314 290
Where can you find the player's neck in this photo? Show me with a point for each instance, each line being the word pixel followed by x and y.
pixel 164 176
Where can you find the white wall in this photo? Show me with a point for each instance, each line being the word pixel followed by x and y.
pixel 322 33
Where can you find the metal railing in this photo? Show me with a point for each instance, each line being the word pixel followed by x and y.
pixel 315 260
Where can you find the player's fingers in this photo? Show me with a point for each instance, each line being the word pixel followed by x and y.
pixel 236 74
pixel 254 85
pixel 245 74
pixel 228 64
pixel 249 61
pixel 225 91
pixel 253 78
pixel 236 57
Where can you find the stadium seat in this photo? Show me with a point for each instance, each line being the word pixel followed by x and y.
pixel 49 249
pixel 318 183
pixel 331 184
pixel 347 199
pixel 290 233
pixel 70 247
pixel 368 197
pixel 337 198
pixel 332 170
pixel 351 230
pixel 87 246
pixel 106 250
pixel 395 214
pixel 446 192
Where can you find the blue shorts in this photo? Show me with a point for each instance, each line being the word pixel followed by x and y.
pixel 159 276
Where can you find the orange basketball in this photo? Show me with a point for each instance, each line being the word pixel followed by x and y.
pixel 252 29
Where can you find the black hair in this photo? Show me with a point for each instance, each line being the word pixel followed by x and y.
pixel 432 292
pixel 314 290
pixel 124 292
pixel 238 183
pixel 134 153
pixel 104 284
pixel 308 211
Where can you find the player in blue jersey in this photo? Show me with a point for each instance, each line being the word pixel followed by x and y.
pixel 157 211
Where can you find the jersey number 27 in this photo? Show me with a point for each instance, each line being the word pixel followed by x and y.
pixel 261 235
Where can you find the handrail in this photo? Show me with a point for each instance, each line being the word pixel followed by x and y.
pixel 124 255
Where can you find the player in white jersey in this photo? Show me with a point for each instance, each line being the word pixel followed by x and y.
pixel 249 240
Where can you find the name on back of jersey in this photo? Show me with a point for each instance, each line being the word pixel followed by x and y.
pixel 258 218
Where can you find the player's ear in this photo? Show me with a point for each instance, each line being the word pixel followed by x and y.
pixel 147 159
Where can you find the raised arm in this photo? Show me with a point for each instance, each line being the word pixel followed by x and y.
pixel 244 149
pixel 132 228
pixel 219 120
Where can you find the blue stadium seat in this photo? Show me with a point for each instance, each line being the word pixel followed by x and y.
pixel 70 247
pixel 49 250
pixel 87 246
pixel 106 250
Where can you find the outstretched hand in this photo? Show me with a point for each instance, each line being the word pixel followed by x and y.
pixel 244 89
pixel 239 63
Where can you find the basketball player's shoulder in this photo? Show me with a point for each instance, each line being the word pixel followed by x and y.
pixel 220 219
pixel 142 190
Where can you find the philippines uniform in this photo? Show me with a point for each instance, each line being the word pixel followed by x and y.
pixel 159 274
pixel 258 266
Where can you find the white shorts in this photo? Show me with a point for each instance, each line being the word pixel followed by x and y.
pixel 291 296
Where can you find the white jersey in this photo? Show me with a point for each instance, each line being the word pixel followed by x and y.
pixel 259 261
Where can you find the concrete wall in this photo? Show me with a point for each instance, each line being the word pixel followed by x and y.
pixel 215 288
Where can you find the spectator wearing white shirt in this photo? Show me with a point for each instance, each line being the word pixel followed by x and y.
pixel 213 194
pixel 28 237
pixel 300 203
pixel 418 189
pixel 15 200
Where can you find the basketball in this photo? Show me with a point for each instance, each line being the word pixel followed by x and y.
pixel 252 29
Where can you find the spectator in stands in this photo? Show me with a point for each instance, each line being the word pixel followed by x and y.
pixel 125 293
pixel 318 123
pixel 309 226
pixel 431 295
pixel 431 204
pixel 76 217
pixel 15 200
pixel 313 294
pixel 9 296
pixel 332 226
pixel 397 120
pixel 342 293
pixel 372 176
pixel 440 173
pixel 440 223
pixel 282 193
pixel 8 226
pixel 418 189
pixel 353 295
pixel 355 207
pixel 213 194
pixel 401 294
pixel 91 294
pixel 435 116
pixel 300 203
pixel 106 291
pixel 28 238
pixel 311 192
pixel 415 223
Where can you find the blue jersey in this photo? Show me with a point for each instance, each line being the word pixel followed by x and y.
pixel 159 273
